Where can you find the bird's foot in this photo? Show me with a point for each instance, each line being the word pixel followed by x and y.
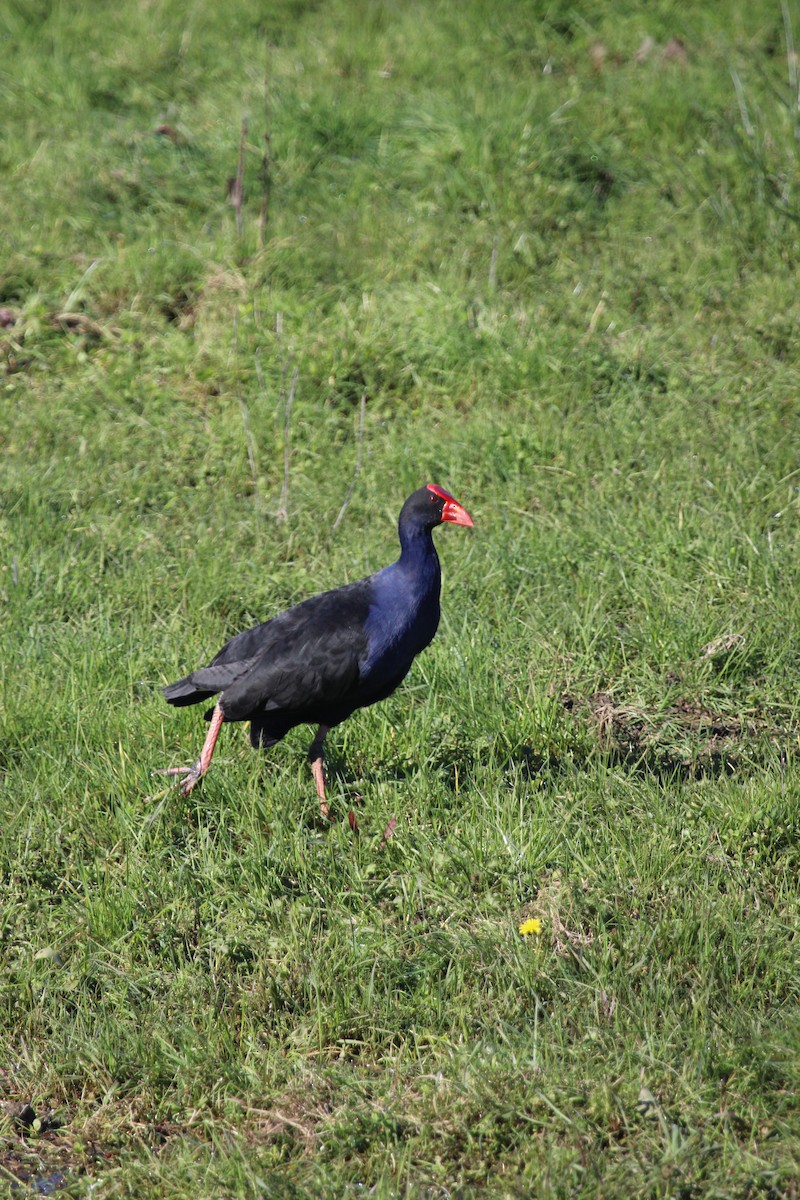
pixel 191 776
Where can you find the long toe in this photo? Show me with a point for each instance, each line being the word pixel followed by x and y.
pixel 187 776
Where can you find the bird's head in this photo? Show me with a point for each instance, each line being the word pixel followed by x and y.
pixel 431 506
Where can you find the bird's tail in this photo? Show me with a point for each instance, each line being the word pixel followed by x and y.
pixel 205 682
pixel 186 691
pixel 202 684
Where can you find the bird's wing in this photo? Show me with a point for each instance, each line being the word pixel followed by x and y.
pixel 305 657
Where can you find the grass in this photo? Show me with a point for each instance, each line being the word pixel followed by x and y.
pixel 560 265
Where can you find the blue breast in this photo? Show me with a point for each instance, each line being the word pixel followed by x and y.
pixel 403 618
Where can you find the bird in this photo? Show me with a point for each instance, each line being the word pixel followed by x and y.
pixel 321 660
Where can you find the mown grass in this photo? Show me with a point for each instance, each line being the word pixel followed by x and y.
pixel 564 278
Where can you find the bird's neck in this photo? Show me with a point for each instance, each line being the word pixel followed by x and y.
pixel 418 557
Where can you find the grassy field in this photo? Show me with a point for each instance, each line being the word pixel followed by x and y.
pixel 555 249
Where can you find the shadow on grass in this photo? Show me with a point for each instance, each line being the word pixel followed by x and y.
pixel 674 744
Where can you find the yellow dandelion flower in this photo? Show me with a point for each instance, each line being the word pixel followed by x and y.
pixel 532 925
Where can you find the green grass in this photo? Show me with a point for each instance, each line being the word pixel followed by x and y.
pixel 565 282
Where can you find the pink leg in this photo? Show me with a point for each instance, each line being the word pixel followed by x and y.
pixel 316 758
pixel 194 773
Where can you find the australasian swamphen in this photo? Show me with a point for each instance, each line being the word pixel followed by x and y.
pixel 321 660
